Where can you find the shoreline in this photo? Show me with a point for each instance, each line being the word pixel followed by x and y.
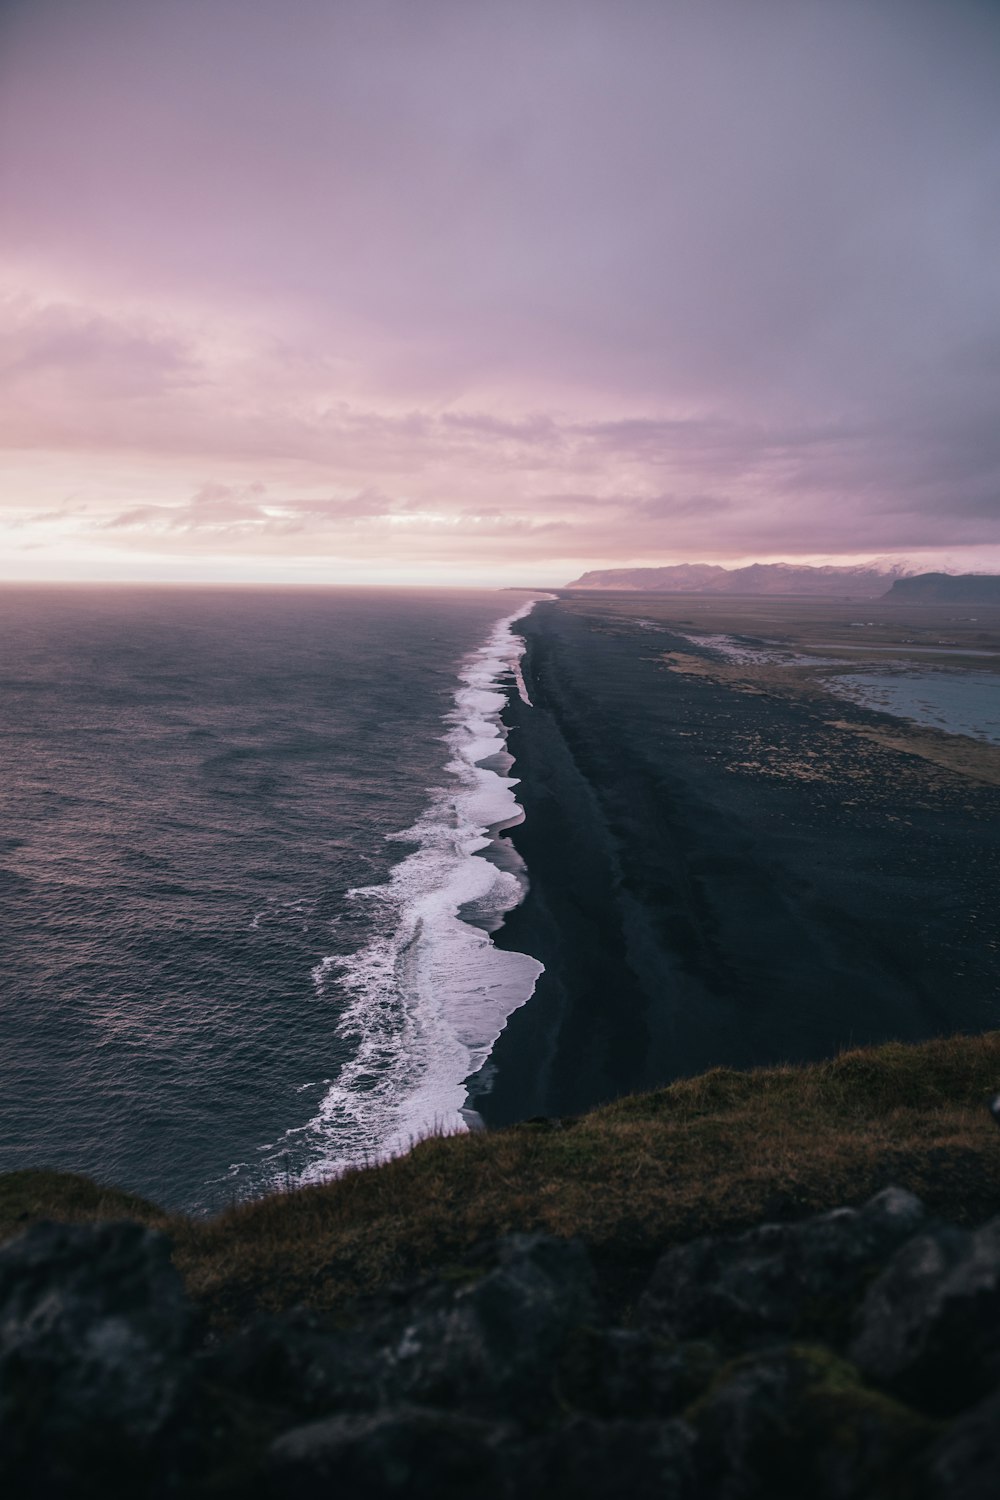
pixel 695 906
pixel 443 988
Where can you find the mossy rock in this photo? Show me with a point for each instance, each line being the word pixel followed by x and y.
pixel 800 1420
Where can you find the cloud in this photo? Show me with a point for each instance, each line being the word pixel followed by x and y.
pixel 47 346
pixel 239 511
pixel 643 282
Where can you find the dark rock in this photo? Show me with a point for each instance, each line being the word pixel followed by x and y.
pixel 778 1279
pixel 592 1460
pixel 741 1425
pixel 296 1365
pixel 629 1373
pixel 509 1384
pixel 493 1344
pixel 423 1455
pixel 489 1343
pixel 94 1324
pixel 929 1327
pixel 965 1463
pixel 798 1421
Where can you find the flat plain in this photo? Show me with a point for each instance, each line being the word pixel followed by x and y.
pixel 799 648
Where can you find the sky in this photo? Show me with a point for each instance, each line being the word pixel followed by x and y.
pixel 496 291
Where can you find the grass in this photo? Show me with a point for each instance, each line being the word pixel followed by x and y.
pixel 28 1196
pixel 719 1151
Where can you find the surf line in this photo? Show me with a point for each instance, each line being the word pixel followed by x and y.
pixel 429 994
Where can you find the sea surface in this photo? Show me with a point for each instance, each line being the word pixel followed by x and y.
pixel 249 864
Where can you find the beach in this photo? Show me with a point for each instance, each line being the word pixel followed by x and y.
pixel 726 871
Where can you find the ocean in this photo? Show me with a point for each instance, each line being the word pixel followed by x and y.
pixel 250 861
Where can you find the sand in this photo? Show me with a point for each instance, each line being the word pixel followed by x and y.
pixel 728 868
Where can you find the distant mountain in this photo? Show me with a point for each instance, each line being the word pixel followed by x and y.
pixel 865 581
pixel 947 588
pixel 685 578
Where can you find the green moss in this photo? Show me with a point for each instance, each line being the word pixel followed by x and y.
pixel 841 1419
pixel 821 1429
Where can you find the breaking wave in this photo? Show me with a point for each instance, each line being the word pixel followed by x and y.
pixel 428 995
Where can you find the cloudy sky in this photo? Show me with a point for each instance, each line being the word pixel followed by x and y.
pixel 496 290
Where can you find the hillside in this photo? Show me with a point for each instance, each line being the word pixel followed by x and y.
pixel 717 1151
pixel 946 588
pixel 652 1299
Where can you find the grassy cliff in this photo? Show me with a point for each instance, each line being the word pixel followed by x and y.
pixel 721 1151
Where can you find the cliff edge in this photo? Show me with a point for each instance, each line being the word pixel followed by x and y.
pixel 762 1283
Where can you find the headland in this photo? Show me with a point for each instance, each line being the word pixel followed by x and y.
pixel 746 1284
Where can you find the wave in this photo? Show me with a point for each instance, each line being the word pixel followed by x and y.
pixel 429 994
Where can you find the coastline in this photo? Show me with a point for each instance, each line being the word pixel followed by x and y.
pixel 429 992
pixel 691 909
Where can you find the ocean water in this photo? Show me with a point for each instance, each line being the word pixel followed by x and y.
pixel 250 858
pixel 956 702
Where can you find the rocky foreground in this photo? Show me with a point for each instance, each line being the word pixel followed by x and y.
pixel 855 1353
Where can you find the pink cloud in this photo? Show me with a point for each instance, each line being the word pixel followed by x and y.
pixel 669 282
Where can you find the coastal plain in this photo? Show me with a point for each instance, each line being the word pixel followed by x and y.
pixel 731 861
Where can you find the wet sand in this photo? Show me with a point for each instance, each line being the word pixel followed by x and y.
pixel 726 871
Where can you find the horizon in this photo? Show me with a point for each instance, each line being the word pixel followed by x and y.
pixel 888 569
pixel 336 294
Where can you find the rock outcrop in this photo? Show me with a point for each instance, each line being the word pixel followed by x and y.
pixel 97 1359
pixel 946 588
pixel 852 1354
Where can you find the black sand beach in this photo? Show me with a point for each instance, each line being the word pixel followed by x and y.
pixel 725 877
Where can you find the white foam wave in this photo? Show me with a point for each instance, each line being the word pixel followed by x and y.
pixel 429 996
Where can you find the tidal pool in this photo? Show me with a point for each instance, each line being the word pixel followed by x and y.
pixel 957 702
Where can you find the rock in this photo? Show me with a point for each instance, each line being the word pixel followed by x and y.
pixel 929 1327
pixel 493 1344
pixel 797 1421
pixel 512 1386
pixel 965 1463
pixel 777 1279
pixel 296 1364
pixel 630 1373
pixel 423 1455
pixel 94 1327
pixel 740 1426
pixel 591 1460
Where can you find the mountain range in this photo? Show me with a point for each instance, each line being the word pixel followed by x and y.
pixel 862 581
